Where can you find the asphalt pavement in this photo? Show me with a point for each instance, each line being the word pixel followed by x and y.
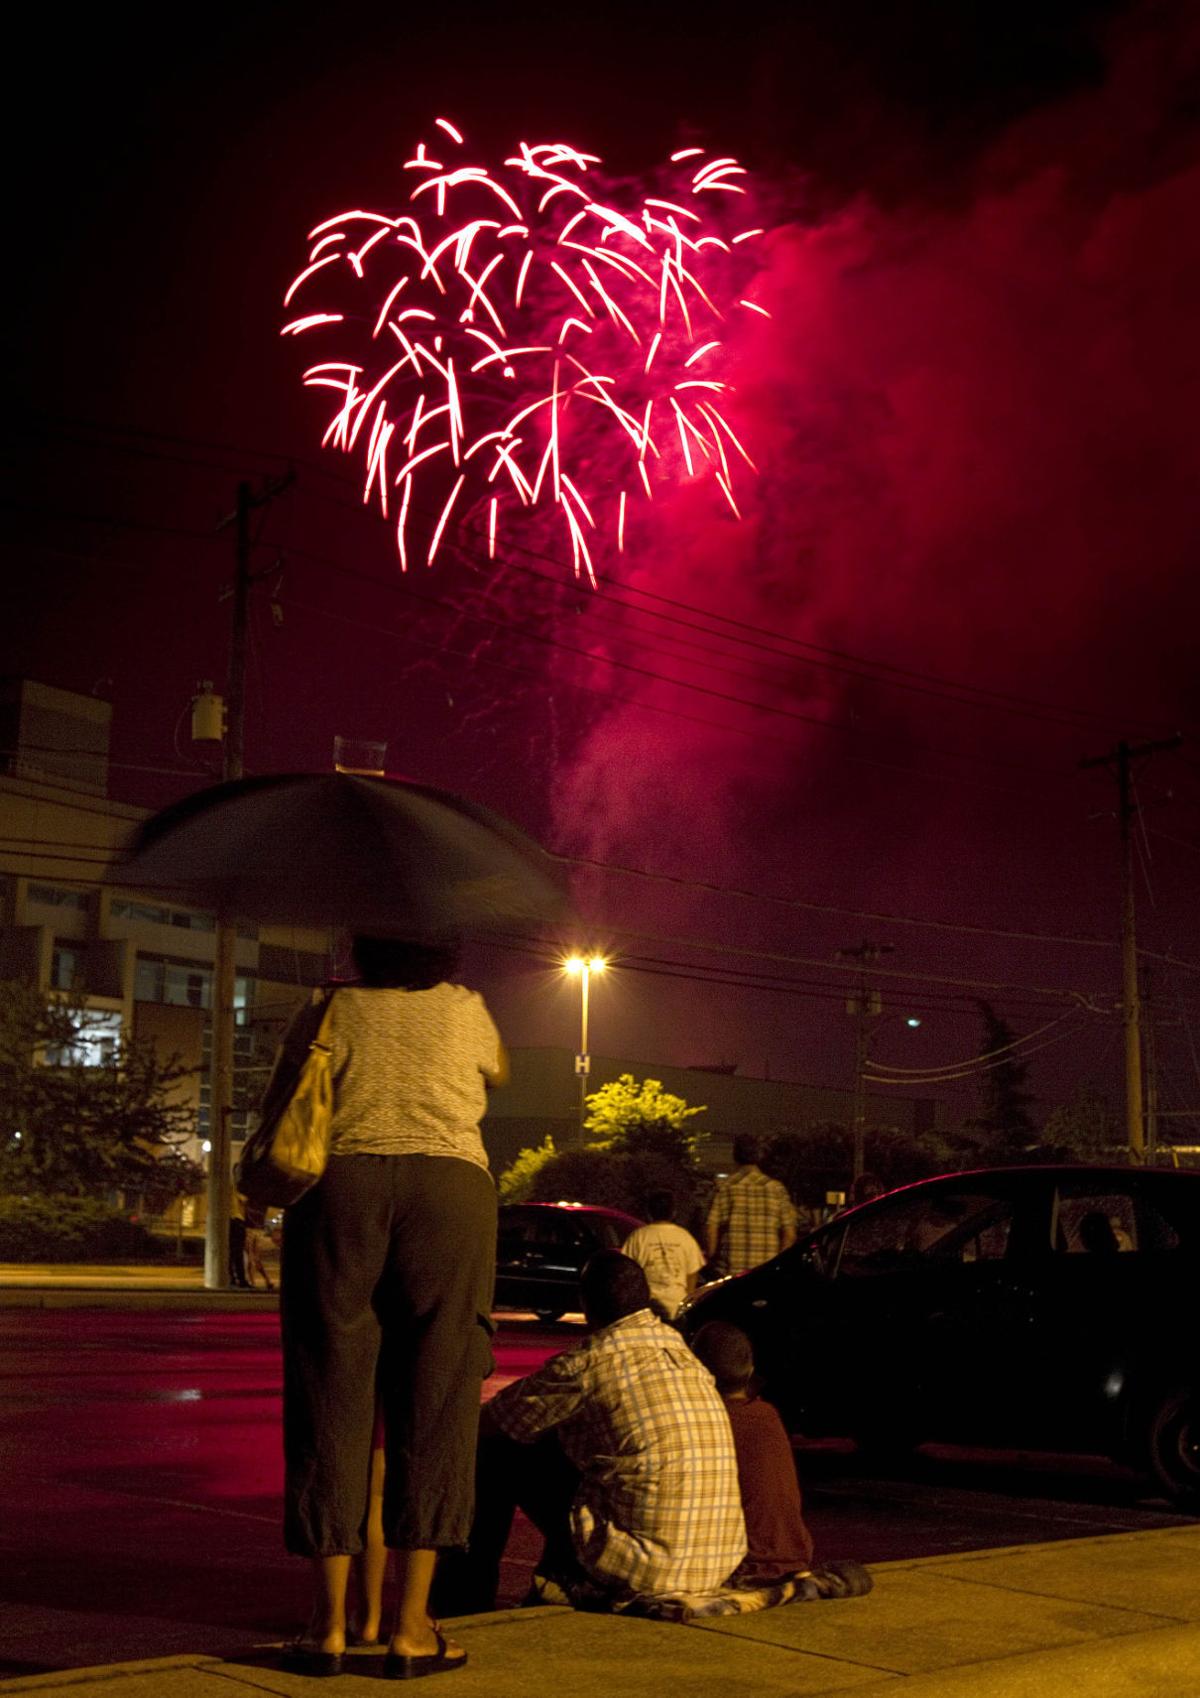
pixel 143 1471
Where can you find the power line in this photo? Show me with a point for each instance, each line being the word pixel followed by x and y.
pixel 990 1058
pixel 1053 992
pixel 725 726
pixel 969 1072
pixel 511 628
pixel 733 978
pixel 827 908
pixel 869 669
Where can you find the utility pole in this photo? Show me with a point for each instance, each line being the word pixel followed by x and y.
pixel 865 1006
pixel 1120 761
pixel 1151 1081
pixel 222 1015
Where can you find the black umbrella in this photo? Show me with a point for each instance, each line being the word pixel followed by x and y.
pixel 378 855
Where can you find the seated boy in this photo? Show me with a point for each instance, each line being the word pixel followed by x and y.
pixel 778 1544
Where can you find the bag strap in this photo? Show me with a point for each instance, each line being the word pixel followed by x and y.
pixel 323 1038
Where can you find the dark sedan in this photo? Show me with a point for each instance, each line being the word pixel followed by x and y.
pixel 541 1248
pixel 1049 1308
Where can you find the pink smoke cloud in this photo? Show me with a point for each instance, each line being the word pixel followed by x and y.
pixel 976 428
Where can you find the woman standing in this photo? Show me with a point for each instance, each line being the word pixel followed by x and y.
pixel 386 1288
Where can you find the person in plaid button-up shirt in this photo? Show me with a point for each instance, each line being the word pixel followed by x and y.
pixel 619 1450
pixel 752 1218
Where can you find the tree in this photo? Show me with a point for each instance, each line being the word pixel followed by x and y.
pixel 615 1179
pixel 816 1158
pixel 1085 1128
pixel 624 1116
pixel 638 1143
pixel 70 1128
pixel 1003 1129
pixel 517 1181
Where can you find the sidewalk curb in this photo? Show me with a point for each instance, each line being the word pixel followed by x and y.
pixel 102 1672
pixel 1187 1525
pixel 173 1299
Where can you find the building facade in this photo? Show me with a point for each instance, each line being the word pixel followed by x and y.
pixel 142 965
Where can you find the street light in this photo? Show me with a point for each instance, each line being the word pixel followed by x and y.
pixel 869 1010
pixel 582 967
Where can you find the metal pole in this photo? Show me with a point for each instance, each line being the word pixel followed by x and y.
pixel 221 1012
pixel 861 1040
pixel 1120 760
pixel 864 1007
pixel 1151 1060
pixel 583 1047
pixel 1130 997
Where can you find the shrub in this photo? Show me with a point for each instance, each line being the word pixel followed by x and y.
pixel 516 1182
pixel 614 1181
pixel 71 1229
pixel 818 1158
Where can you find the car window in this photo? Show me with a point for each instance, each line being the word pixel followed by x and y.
pixel 942 1227
pixel 1098 1218
pixel 535 1232
pixel 512 1235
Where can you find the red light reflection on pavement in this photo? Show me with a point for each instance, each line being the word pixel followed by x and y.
pixel 140 1488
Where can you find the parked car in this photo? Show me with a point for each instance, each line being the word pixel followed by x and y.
pixel 1049 1308
pixel 541 1248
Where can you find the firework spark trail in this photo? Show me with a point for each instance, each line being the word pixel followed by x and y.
pixel 521 343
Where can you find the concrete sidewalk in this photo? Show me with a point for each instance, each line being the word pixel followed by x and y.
pixel 138 1285
pixel 1113 1617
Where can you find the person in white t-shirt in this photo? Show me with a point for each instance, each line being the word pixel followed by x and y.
pixel 670 1255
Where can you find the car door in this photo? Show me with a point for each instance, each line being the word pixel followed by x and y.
pixel 920 1311
pixel 1101 1309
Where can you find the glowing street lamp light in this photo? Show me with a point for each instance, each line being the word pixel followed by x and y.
pixel 582 967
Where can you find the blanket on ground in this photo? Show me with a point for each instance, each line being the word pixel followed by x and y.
pixel 831 1580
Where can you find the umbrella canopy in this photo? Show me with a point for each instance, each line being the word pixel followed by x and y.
pixel 378 855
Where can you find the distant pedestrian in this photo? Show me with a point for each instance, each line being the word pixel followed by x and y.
pixel 237 1241
pixel 668 1253
pixel 864 1189
pixel 752 1218
pixel 256 1241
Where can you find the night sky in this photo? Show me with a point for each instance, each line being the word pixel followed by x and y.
pixel 968 562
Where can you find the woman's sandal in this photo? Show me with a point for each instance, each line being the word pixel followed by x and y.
pixel 301 1656
pixel 396 1667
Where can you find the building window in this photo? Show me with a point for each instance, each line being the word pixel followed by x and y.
pixel 153 914
pixel 183 984
pixel 54 896
pixel 66 967
pixel 246 1080
pixel 185 919
pixel 96 1044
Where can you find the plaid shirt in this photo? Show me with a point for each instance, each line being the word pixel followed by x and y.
pixel 748 1214
pixel 658 1507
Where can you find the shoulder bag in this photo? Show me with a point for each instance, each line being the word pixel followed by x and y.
pixel 286 1153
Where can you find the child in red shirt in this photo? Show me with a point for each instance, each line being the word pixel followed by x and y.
pixel 778 1543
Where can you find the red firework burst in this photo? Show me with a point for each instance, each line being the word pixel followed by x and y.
pixel 522 343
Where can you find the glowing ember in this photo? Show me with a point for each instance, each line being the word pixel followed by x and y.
pixel 522 343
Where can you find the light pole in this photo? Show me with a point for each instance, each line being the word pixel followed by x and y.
pixel 863 1007
pixel 582 967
